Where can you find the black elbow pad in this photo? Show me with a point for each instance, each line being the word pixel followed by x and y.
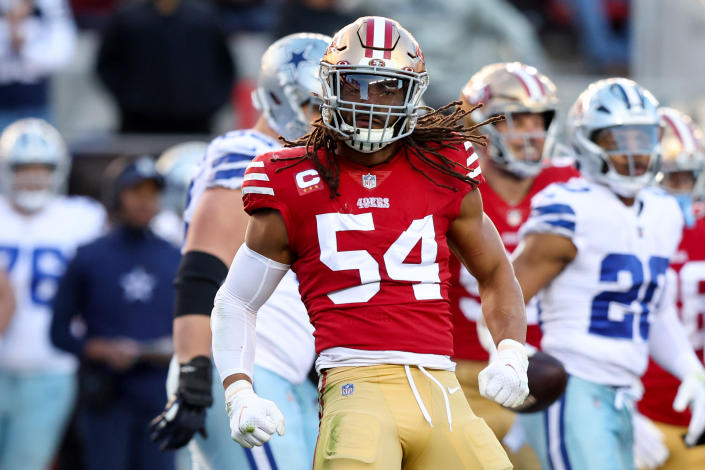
pixel 197 280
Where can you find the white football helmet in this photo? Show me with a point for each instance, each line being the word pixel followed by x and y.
pixel 508 88
pixel 682 149
pixel 288 79
pixel 622 112
pixel 178 164
pixel 26 142
pixel 372 55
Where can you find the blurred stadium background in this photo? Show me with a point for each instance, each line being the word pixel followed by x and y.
pixel 656 43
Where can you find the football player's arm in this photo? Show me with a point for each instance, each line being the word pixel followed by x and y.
pixel 7 301
pixel 539 258
pixel 258 267
pixel 474 239
pixel 671 349
pixel 215 233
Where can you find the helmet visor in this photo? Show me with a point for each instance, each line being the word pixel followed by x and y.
pixel 632 140
pixel 630 150
pixel 373 89
pixel 32 177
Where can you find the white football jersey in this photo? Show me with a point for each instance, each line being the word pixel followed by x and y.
pixel 595 314
pixel 285 342
pixel 35 250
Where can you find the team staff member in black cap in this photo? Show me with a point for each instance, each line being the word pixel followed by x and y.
pixel 120 287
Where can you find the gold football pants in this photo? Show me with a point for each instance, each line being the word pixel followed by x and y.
pixel 680 457
pixel 392 417
pixel 498 418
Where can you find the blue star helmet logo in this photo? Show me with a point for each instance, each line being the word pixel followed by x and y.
pixel 296 58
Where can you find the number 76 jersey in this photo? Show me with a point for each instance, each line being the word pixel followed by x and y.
pixel 595 315
pixel 373 262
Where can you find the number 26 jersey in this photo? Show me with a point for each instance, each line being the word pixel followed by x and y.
pixel 595 314
pixel 372 262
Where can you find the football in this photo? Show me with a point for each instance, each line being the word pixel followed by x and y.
pixel 547 381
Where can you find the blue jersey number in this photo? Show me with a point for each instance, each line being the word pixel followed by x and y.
pixel 637 297
pixel 48 265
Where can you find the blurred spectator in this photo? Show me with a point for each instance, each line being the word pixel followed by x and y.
pixel 461 36
pixel 92 14
pixel 39 233
pixel 247 16
pixel 603 26
pixel 167 64
pixel 119 287
pixel 7 302
pixel 315 16
pixel 37 37
pixel 178 165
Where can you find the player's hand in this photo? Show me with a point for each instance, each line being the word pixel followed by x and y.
pixel 650 451
pixel 185 414
pixel 504 380
pixel 691 394
pixel 253 420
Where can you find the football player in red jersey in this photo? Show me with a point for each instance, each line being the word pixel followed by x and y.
pixel 366 213
pixel 514 169
pixel 683 175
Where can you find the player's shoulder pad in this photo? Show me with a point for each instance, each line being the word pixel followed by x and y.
pixel 666 204
pixel 82 206
pixel 270 177
pixel 566 192
pixel 228 155
pixel 554 209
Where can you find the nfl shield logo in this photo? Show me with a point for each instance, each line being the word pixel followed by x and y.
pixel 347 390
pixel 369 181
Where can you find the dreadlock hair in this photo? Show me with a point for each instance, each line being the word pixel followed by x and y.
pixel 436 130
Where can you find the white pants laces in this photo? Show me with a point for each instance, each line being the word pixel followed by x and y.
pixel 420 402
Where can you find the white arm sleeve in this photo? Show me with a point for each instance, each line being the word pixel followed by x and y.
pixel 251 280
pixel 668 342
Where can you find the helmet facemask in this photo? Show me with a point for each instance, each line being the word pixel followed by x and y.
pixel 371 106
pixel 34 163
pixel 625 158
pixel 531 161
pixel 522 94
pixel 683 156
pixel 32 186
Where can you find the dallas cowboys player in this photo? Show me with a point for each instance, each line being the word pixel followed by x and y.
pixel 287 96
pixel 41 229
pixel 599 248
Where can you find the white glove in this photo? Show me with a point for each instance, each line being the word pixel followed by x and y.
pixel 650 451
pixel 253 420
pixel 691 393
pixel 504 380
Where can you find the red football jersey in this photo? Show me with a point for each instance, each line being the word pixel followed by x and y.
pixel 689 264
pixel 464 295
pixel 372 263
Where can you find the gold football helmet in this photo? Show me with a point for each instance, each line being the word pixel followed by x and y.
pixel 508 88
pixel 682 150
pixel 373 75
